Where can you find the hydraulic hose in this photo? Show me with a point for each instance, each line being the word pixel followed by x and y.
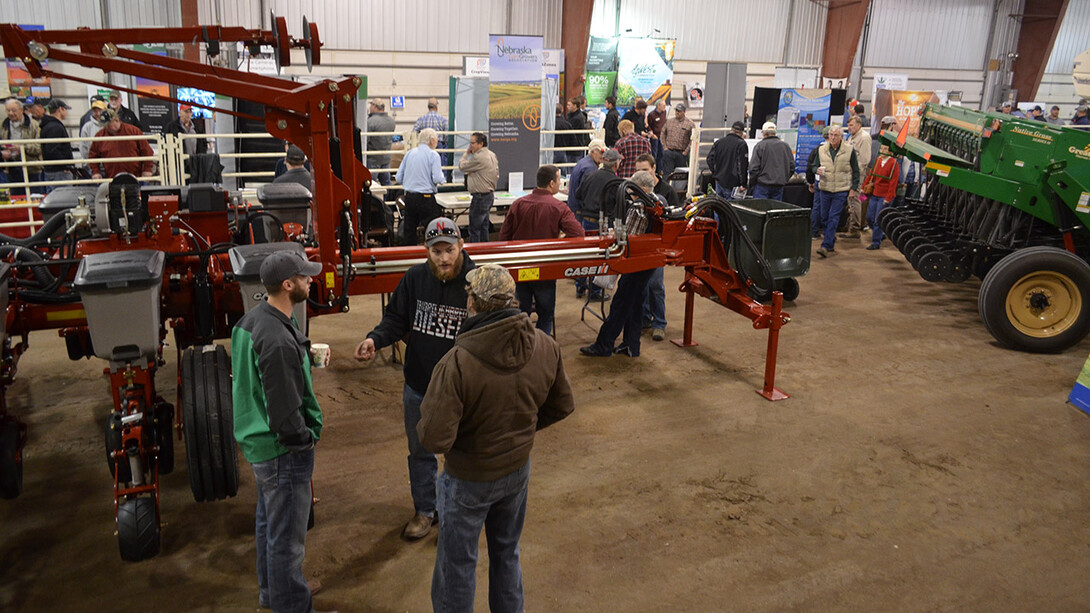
pixel 737 232
pixel 23 254
pixel 41 236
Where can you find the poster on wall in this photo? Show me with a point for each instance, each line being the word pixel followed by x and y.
pixel 885 80
pixel 154 112
pixel 806 110
pixel 694 94
pixel 903 105
pixel 473 66
pixel 20 83
pixel 514 104
pixel 645 68
pixel 601 69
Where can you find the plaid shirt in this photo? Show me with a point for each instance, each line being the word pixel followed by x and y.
pixel 676 135
pixel 630 147
pixel 432 120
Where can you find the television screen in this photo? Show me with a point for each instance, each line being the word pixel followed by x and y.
pixel 199 96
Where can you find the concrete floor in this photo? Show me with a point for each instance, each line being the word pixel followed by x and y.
pixel 916 467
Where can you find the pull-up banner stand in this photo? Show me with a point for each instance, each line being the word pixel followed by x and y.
pixel 514 106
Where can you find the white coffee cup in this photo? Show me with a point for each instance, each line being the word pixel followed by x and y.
pixel 821 170
pixel 319 355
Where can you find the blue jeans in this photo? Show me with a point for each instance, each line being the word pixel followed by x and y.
pixel 817 221
pixel 654 307
pixel 625 314
pixel 464 508
pixel 283 507
pixel 656 150
pixel 422 463
pixel 539 297
pixel 768 191
pixel 875 206
pixel 726 193
pixel 582 284
pixel 672 159
pixel 832 205
pixel 480 206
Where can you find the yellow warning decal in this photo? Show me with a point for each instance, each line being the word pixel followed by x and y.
pixel 329 279
pixel 68 315
pixel 940 169
pixel 530 274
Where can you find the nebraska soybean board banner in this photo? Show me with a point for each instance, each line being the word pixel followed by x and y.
pixel 514 104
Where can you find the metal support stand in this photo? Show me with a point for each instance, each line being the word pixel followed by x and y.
pixel 687 336
pixel 775 323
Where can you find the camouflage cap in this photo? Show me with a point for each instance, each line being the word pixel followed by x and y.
pixel 491 282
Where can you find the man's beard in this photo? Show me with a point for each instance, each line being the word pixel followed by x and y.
pixel 299 293
pixel 449 275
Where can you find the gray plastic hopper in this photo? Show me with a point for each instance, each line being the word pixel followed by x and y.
pixel 120 292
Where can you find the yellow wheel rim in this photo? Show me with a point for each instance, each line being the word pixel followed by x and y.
pixel 1043 304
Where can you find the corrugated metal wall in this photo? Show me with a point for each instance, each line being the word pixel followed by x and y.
pixel 951 34
pixel 406 25
pixel 721 30
pixel 1072 39
pixel 71 14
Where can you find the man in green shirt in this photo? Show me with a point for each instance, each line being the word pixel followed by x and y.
pixel 277 423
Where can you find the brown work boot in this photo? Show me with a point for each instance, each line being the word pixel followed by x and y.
pixel 418 527
pixel 849 234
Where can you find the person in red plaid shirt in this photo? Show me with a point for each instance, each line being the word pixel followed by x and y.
pixel 630 146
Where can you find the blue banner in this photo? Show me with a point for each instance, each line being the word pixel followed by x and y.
pixel 808 111
pixel 514 104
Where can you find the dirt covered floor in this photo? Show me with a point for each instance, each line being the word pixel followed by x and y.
pixel 916 467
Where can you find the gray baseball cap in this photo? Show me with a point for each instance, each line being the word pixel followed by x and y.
pixel 612 155
pixel 283 265
pixel 442 230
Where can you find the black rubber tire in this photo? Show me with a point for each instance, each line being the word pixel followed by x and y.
pixel 1002 279
pixel 138 529
pixel 909 246
pixel 211 454
pixel 959 270
pixel 919 250
pixel 11 463
pixel 164 437
pixel 886 214
pixel 934 266
pixel 789 287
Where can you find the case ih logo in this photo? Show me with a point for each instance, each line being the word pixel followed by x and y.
pixel 1082 153
pixel 586 271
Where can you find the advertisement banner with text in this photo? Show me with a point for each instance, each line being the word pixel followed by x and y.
pixel 645 68
pixel 808 111
pixel 601 71
pixel 903 105
pixel 514 105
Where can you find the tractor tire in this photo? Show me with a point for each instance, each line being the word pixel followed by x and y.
pixel 1036 300
pixel 138 529
pixel 211 454
pixel 11 461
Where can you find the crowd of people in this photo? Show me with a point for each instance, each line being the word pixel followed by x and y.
pixel 35 118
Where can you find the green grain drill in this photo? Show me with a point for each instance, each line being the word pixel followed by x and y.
pixel 1008 200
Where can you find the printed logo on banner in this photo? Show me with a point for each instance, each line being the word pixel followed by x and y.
pixel 531 117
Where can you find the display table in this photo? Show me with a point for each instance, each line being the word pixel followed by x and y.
pixel 456 204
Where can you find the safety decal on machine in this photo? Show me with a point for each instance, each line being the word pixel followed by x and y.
pixel 1084 203
pixel 329 279
pixel 940 169
pixel 530 274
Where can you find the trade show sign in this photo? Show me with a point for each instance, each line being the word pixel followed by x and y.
pixel 645 69
pixel 903 105
pixel 808 111
pixel 601 69
pixel 514 104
